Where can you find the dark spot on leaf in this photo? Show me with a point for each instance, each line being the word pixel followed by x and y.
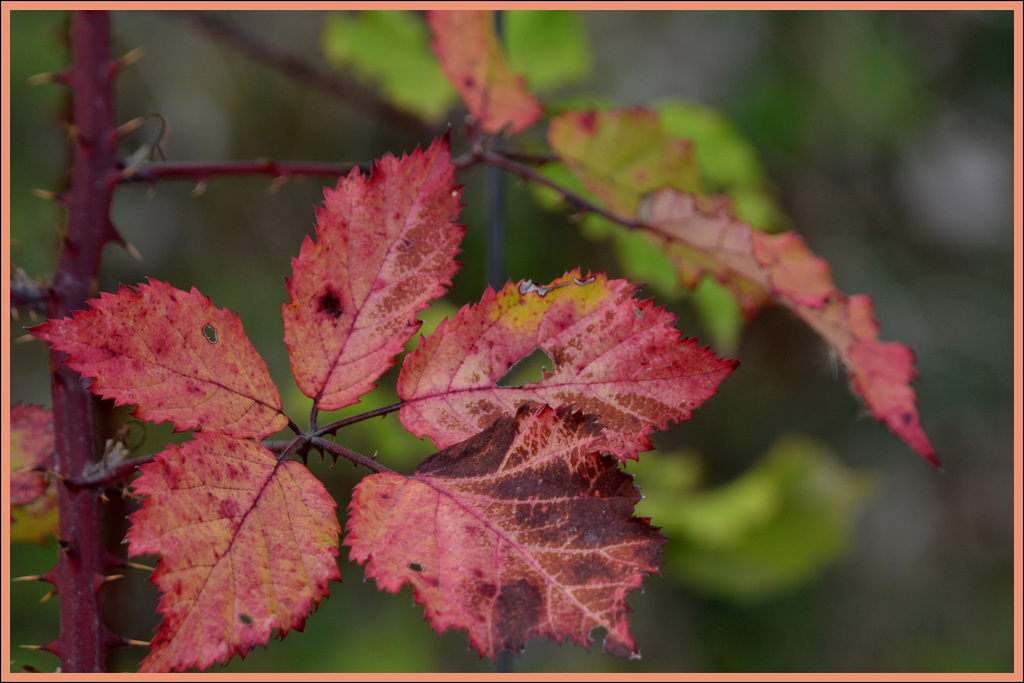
pixel 330 304
pixel 518 609
pixel 227 509
pixel 907 418
pixel 210 332
pixel 416 566
pixel 245 619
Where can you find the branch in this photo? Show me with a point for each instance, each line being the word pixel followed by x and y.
pixel 335 426
pixel 355 95
pixel 84 639
pixel 202 171
pixel 502 160
pixel 355 458
pixel 105 475
pixel 27 293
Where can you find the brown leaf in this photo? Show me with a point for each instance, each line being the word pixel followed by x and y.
pixel 522 530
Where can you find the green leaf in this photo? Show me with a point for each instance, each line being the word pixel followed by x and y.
pixel 773 528
pixel 727 160
pixel 391 50
pixel 720 313
pixel 549 47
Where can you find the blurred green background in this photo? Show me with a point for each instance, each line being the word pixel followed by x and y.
pixel 804 536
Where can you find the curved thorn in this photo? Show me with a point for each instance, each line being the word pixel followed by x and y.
pixel 47 194
pixel 131 57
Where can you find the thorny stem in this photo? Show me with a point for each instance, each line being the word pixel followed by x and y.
pixel 335 426
pixel 105 476
pixel 355 458
pixel 202 171
pixel 84 639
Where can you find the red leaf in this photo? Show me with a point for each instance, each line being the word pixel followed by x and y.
pixel 175 355
pixel 474 62
pixel 31 451
pixel 783 266
pixel 247 544
pixel 614 356
pixel 33 497
pixel 882 372
pixel 386 247
pixel 522 530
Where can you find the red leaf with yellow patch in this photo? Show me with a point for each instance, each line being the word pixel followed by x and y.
pixel 614 356
pixel 175 355
pixel 472 58
pixel 522 530
pixel 386 247
pixel 33 495
pixel 247 546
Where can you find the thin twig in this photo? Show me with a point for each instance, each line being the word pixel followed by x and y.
pixel 354 94
pixel 102 477
pixel 202 171
pixel 501 160
pixel 533 158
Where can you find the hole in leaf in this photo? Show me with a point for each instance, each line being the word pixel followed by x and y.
pixel 210 332
pixel 529 368
pixel 416 566
pixel 246 619
pixel 330 304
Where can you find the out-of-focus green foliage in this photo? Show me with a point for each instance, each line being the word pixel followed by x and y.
pixel 549 47
pixel 727 160
pixel 772 528
pixel 840 107
pixel 390 49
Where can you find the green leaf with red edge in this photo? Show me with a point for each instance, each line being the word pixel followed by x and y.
pixel 473 60
pixel 522 530
pixel 33 496
pixel 783 267
pixel 175 355
pixel 615 356
pixel 248 545
pixel 622 154
pixel 386 247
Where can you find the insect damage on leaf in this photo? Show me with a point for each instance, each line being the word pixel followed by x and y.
pixel 614 356
pixel 522 530
pixel 385 248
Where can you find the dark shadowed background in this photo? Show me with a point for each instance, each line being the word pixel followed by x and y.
pixel 887 140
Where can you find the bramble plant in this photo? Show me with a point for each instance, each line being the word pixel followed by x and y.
pixel 523 522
